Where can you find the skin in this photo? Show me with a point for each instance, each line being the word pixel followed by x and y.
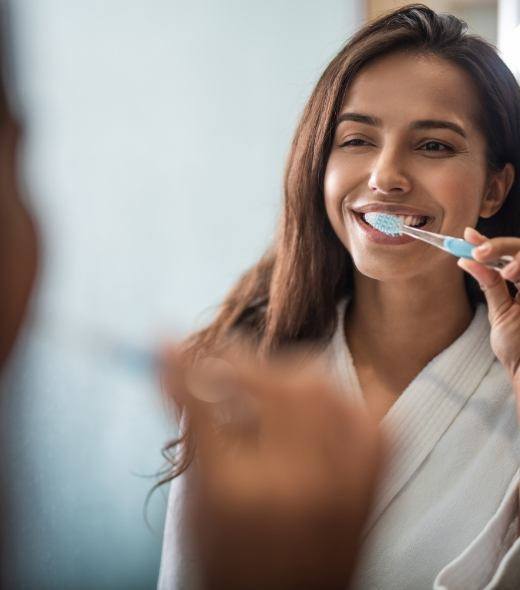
pixel 434 169
pixel 18 244
pixel 261 496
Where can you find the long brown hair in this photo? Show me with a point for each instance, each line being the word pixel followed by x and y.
pixel 291 294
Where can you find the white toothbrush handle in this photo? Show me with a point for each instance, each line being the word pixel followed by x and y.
pixel 462 249
pixel 499 262
pixel 456 246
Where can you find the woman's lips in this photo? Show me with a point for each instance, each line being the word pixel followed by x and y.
pixel 379 237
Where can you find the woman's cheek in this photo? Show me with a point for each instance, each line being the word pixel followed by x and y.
pixel 333 178
pixel 334 190
pixel 467 210
pixel 344 177
pixel 458 193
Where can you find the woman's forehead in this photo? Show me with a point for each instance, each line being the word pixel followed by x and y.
pixel 405 86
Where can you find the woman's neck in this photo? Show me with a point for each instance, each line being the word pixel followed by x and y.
pixel 403 325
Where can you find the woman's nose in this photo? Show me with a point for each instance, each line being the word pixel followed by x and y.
pixel 388 175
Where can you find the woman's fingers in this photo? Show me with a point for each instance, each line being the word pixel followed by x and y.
pixel 491 249
pixel 492 284
pixel 213 380
pixel 190 390
pixel 472 236
pixel 277 409
pixel 511 272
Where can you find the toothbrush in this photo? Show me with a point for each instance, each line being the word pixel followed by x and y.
pixel 99 345
pixel 393 225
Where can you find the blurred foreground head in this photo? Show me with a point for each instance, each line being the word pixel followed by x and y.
pixel 18 243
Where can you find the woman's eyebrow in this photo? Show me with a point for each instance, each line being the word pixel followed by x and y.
pixel 423 124
pixel 359 118
pixel 438 124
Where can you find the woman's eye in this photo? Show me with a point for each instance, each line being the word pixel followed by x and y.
pixel 356 142
pixel 436 146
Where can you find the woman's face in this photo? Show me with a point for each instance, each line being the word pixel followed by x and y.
pixel 406 142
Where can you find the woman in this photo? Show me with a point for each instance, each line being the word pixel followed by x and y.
pixel 413 117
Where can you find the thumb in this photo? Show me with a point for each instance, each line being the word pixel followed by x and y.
pixel 186 387
pixel 473 236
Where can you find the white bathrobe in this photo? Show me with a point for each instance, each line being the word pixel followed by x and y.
pixel 446 513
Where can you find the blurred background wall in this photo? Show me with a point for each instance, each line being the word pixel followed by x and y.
pixel 156 137
pixel 481 15
pixel 498 21
pixel 509 33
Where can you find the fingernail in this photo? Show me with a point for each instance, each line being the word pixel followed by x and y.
pixel 472 230
pixel 511 269
pixel 483 248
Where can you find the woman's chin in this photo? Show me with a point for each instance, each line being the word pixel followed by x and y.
pixel 387 272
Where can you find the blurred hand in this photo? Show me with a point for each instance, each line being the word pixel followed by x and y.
pixel 279 492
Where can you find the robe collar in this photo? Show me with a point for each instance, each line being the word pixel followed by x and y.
pixel 426 408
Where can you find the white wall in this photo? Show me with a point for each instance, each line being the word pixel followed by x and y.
pixel 509 33
pixel 157 133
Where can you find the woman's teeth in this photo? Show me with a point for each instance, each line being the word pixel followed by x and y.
pixel 412 220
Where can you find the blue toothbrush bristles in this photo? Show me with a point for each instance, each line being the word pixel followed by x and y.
pixel 388 224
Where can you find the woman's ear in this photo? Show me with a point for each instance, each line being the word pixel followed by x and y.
pixel 498 187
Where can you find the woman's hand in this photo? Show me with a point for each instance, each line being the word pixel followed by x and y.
pixel 503 310
pixel 279 494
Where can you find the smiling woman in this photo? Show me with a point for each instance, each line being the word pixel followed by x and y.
pixel 417 118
